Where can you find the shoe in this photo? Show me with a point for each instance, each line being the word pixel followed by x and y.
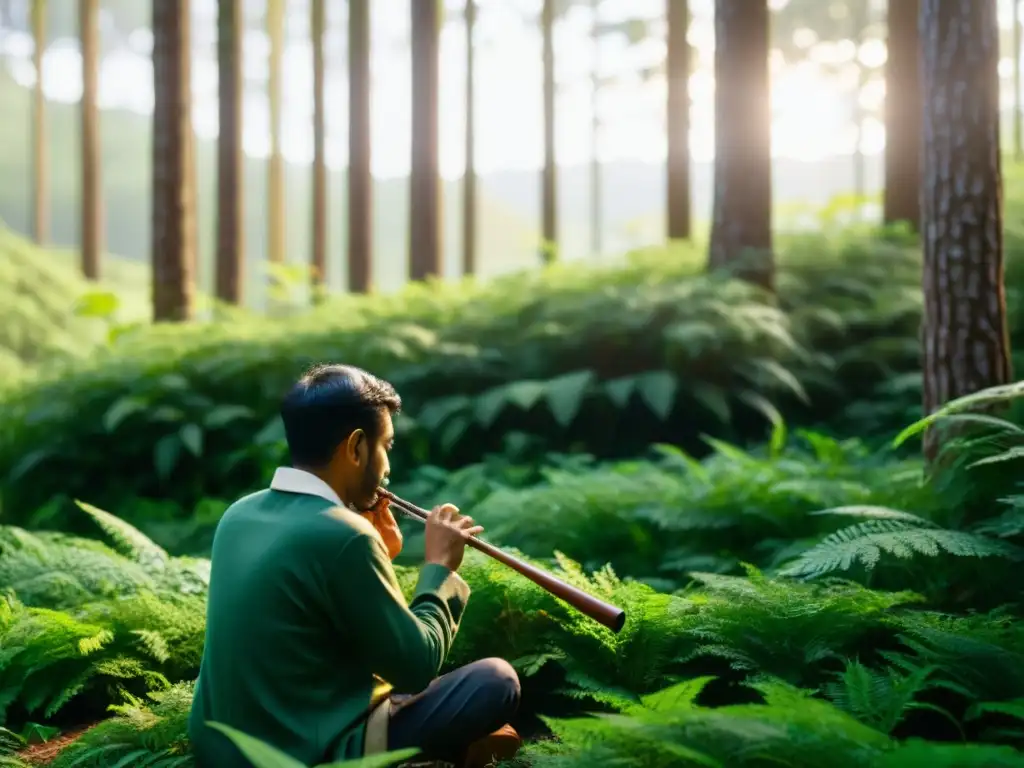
pixel 502 744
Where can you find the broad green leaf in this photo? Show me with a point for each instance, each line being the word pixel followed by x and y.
pixel 192 439
pixel 488 407
pixel 272 432
pixel 714 399
pixel 165 455
pixel 121 410
pixel 565 395
pixel 225 414
pixel 435 413
pixel 525 394
pixel 262 755
pixel 658 390
pixel 258 752
pixel 453 431
pixel 620 390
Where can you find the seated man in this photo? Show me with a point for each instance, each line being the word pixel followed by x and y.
pixel 310 645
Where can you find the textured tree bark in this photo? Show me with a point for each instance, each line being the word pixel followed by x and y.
pixel 549 174
pixel 424 177
pixel 92 163
pixel 596 193
pixel 275 170
pixel 319 255
pixel 678 119
pixel 903 103
pixel 965 340
pixel 469 192
pixel 741 230
pixel 174 223
pixel 40 148
pixel 360 177
pixel 230 257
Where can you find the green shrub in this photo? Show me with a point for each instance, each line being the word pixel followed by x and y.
pixel 610 359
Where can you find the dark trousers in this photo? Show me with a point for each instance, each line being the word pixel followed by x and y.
pixel 455 710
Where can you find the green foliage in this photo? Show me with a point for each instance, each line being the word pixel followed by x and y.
pixel 677 513
pixel 262 755
pixel 37 318
pixel 611 358
pixel 900 534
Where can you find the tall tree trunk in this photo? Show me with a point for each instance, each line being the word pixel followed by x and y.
pixel 424 178
pixel 860 18
pixel 741 230
pixel 1018 141
pixel 965 340
pixel 92 164
pixel 40 153
pixel 549 189
pixel 230 161
pixel 596 224
pixel 677 72
pixel 174 214
pixel 901 198
pixel 275 168
pixel 469 192
pixel 319 256
pixel 360 176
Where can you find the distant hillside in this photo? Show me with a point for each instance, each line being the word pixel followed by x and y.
pixel 507 237
pixel 634 199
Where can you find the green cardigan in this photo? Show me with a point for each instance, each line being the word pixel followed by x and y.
pixel 305 620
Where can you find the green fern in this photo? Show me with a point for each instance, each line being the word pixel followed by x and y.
pixel 893 532
pixel 881 698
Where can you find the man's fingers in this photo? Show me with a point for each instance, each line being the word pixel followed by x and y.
pixel 464 521
pixel 467 532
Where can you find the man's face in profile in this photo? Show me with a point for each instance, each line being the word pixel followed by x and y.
pixel 376 467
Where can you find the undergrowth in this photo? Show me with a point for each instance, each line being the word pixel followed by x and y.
pixel 609 357
pixel 843 650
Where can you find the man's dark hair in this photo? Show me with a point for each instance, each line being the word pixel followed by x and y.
pixel 327 405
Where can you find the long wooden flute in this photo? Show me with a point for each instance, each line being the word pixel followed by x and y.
pixel 604 613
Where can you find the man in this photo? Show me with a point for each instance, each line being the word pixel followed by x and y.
pixel 310 645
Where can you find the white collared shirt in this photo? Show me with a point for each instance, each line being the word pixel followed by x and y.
pixel 292 480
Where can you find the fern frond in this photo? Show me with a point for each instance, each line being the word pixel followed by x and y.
pixel 128 540
pixel 865 543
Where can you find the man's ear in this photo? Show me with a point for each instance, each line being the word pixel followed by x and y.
pixel 355 445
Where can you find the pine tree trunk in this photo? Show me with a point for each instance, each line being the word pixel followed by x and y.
pixel 469 192
pixel 596 192
pixel 1018 138
pixel 677 70
pixel 40 153
pixel 92 164
pixel 424 177
pixel 549 175
pixel 319 255
pixel 230 161
pixel 174 215
pixel 965 340
pixel 903 103
pixel 275 170
pixel 360 176
pixel 741 230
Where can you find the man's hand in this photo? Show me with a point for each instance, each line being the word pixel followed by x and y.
pixel 446 535
pixel 382 519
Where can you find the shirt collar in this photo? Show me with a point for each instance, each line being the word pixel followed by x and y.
pixel 292 480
